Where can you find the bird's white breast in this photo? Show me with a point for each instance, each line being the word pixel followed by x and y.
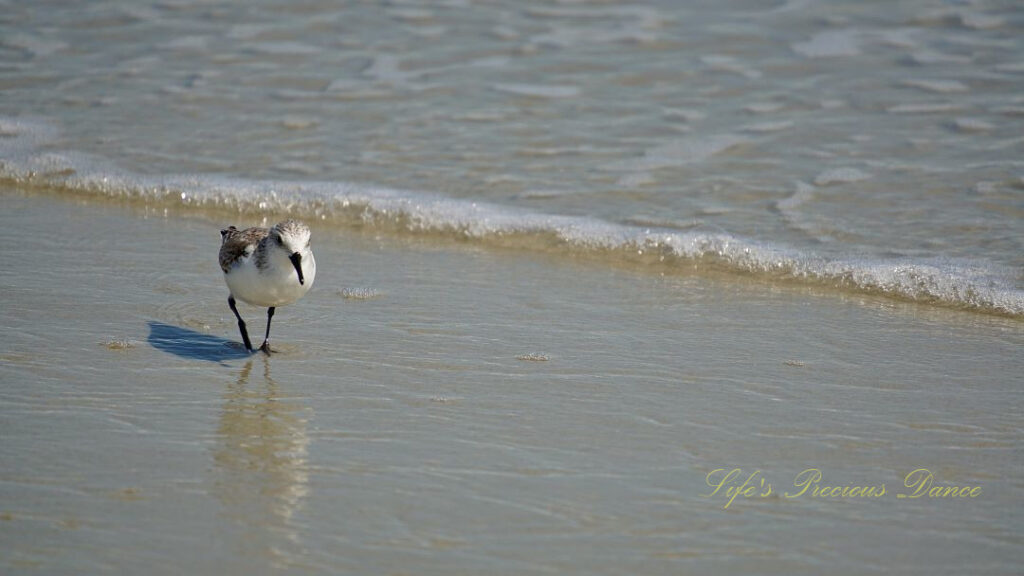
pixel 276 284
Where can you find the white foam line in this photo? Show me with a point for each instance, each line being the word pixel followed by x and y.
pixel 958 283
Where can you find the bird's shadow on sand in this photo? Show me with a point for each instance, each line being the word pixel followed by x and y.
pixel 193 345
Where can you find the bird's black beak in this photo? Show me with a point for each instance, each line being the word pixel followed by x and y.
pixel 296 259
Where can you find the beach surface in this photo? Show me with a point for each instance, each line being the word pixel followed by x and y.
pixel 438 407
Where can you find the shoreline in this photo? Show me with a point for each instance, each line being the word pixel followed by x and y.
pixel 540 246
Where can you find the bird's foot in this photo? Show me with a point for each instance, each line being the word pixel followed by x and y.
pixel 265 348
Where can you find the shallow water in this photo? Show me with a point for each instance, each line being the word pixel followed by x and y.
pixel 574 257
pixel 874 148
pixel 404 433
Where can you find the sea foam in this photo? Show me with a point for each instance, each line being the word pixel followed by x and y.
pixel 969 284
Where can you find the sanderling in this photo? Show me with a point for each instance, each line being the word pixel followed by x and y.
pixel 266 267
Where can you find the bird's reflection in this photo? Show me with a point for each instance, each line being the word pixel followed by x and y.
pixel 261 464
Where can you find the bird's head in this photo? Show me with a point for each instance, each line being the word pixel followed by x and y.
pixel 293 237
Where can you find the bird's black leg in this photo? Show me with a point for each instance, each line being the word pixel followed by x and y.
pixel 266 338
pixel 241 324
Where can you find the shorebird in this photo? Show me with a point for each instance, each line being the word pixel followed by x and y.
pixel 266 267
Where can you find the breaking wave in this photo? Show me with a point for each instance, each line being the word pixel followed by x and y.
pixel 27 163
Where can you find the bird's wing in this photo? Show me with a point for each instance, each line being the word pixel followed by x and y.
pixel 237 244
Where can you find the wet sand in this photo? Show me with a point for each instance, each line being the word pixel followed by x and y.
pixel 436 408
